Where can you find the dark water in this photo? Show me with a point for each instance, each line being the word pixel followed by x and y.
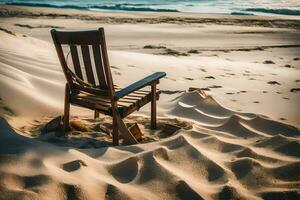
pixel 266 7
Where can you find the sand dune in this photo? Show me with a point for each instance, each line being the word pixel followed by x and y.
pixel 223 154
pixel 182 166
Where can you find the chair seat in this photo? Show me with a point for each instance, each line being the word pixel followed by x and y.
pixel 126 105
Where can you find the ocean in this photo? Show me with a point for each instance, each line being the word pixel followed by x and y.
pixel 239 7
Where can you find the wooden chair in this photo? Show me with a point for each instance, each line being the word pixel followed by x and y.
pixel 90 83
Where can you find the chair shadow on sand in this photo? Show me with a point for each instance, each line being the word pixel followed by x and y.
pixel 86 133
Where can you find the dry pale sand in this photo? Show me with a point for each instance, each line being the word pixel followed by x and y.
pixel 237 138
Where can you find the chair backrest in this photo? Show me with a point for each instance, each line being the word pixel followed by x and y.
pixel 89 59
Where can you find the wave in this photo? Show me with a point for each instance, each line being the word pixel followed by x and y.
pixel 117 7
pixel 126 8
pixel 275 11
pixel 46 5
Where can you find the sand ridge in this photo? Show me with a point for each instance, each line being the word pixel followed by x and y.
pixel 199 163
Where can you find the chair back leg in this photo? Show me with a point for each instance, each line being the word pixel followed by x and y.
pixel 115 132
pixel 67 109
pixel 96 114
pixel 153 106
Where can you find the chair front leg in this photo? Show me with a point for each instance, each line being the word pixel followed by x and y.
pixel 153 106
pixel 67 109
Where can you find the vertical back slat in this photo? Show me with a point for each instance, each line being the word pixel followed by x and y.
pixel 87 63
pixel 75 59
pixel 99 66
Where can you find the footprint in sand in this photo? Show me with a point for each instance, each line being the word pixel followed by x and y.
pixel 193 51
pixel 268 62
pixel 286 98
pixel 205 89
pixel 273 83
pixel 296 59
pixel 114 67
pixel 295 90
pixel 73 165
pixel 297 81
pixel 203 70
pixel 187 78
pixel 288 66
pixel 230 93
pixel 231 74
pixel 209 77
pixel 215 86
pixel 256 102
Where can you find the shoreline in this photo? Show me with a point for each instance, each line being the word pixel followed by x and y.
pixel 290 22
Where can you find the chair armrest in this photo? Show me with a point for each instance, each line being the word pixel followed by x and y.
pixel 139 84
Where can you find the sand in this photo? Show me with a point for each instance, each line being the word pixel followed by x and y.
pixel 237 134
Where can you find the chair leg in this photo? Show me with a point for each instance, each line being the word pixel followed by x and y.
pixel 115 132
pixel 96 114
pixel 67 109
pixel 153 106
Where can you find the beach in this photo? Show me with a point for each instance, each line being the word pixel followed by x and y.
pixel 232 92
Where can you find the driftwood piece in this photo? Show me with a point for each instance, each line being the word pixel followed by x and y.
pixel 53 125
pixel 136 132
